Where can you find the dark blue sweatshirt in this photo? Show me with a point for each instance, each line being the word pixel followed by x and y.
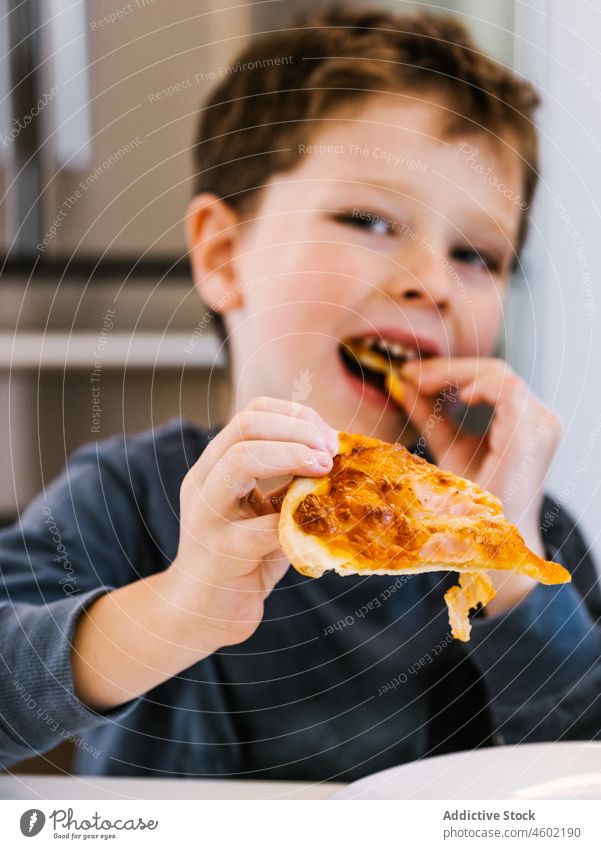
pixel 345 676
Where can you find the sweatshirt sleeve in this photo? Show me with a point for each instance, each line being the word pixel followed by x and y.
pixel 83 537
pixel 540 661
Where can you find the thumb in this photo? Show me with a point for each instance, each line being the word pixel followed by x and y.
pixel 273 568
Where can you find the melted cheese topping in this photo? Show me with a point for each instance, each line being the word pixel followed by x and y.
pixel 386 506
pixel 383 509
pixel 474 589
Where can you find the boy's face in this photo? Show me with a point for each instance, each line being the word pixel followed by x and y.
pixel 384 228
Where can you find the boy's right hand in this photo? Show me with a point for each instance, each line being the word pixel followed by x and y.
pixel 229 558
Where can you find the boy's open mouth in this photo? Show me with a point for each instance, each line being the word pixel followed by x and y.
pixel 379 362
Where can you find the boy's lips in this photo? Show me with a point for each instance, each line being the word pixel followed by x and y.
pixel 359 384
pixel 374 360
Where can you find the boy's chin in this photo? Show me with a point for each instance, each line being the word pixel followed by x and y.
pixel 387 421
pixel 394 427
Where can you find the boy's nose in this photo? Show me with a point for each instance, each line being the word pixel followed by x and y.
pixel 422 275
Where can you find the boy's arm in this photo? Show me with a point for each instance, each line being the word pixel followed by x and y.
pixel 58 559
pixel 135 638
pixel 38 706
pixel 541 660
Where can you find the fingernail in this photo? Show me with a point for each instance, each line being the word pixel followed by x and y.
pixel 322 459
pixel 330 438
pixel 332 445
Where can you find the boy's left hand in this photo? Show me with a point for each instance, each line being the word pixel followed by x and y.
pixel 511 459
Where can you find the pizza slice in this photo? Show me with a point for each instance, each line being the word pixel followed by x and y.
pixel 382 510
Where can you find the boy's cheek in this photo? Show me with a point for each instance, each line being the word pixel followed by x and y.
pixel 479 330
pixel 312 303
pixel 335 264
pixel 323 273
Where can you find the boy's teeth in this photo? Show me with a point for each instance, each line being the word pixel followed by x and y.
pixel 395 349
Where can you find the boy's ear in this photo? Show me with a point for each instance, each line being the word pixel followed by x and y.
pixel 211 233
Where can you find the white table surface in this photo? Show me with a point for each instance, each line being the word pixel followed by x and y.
pixel 22 786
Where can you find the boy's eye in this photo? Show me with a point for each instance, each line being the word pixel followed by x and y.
pixel 372 222
pixel 478 259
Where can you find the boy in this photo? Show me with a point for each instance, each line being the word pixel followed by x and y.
pixel 336 199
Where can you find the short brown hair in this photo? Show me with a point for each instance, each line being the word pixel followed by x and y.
pixel 283 81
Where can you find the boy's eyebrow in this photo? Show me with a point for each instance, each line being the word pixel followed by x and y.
pixel 488 223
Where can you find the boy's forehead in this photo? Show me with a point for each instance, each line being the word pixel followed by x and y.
pixel 398 144
pixel 420 123
pixel 409 116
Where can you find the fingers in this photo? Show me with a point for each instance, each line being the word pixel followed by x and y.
pixel 255 538
pixel 264 503
pixel 261 544
pixel 273 568
pixel 265 403
pixel 244 544
pixel 436 432
pixel 434 373
pixel 473 380
pixel 470 380
pixel 260 503
pixel 270 419
pixel 235 476
pixel 522 426
pixel 524 431
pixel 276 496
pixel 432 388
